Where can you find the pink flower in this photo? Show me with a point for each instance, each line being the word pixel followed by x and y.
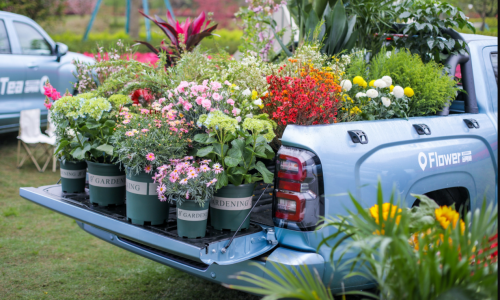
pixel 187 106
pixel 217 168
pixel 182 85
pixel 162 99
pixel 169 95
pixel 150 156
pixel 144 111
pixel 230 101
pixel 238 119
pixel 48 105
pixel 148 169
pixel 144 130
pixel 192 174
pixel 199 100
pixel 205 82
pixel 187 195
pixel 55 95
pixel 206 103
pixel 217 97
pixel 227 83
pixel 162 197
pixel 173 177
pixel 129 133
pixel 183 181
pixel 161 189
pixel 236 111
pixel 204 168
pixel 215 85
pixel 126 121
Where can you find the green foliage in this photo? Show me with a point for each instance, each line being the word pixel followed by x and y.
pixel 237 147
pixel 421 260
pixel 425 35
pixel 223 39
pixel 333 27
pixel 38 10
pixel 292 284
pixel 433 88
pixel 358 66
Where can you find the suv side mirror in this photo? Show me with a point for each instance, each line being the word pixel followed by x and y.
pixel 61 49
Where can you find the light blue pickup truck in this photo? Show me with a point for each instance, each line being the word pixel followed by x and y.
pixel 28 57
pixel 452 158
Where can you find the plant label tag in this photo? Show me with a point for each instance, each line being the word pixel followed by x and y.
pixel 192 215
pixel 231 203
pixel 73 174
pixel 135 187
pixel 107 181
pixel 152 189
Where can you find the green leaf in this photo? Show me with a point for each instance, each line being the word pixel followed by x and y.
pixel 231 161
pixel 62 144
pixel 239 170
pixel 235 179
pixel 108 149
pixel 217 149
pixel 267 176
pixel 312 21
pixel 205 151
pixel 109 123
pixel 222 180
pixel 404 15
pixel 79 153
pixel 234 153
pixel 201 138
pixel 92 124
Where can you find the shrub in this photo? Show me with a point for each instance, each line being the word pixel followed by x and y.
pixel 433 88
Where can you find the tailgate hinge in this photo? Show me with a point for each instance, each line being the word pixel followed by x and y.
pixel 271 236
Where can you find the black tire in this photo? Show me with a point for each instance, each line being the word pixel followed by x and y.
pixel 447 197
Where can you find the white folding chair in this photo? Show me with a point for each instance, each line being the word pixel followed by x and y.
pixel 51 132
pixel 31 138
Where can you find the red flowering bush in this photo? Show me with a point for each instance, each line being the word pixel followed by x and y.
pixel 310 98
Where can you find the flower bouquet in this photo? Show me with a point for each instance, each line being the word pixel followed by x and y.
pixel 85 125
pixel 191 184
pixel 147 137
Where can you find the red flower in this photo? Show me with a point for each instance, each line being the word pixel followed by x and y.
pixel 142 97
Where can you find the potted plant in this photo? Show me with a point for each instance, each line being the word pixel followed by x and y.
pixel 73 172
pixel 235 148
pixel 145 139
pixel 89 122
pixel 191 184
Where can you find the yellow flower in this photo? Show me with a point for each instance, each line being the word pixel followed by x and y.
pixel 446 215
pixel 364 84
pixel 371 83
pixel 254 94
pixel 387 209
pixel 409 91
pixel 358 80
pixel 391 87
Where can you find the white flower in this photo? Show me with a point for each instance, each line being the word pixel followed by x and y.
pixel 346 85
pixel 258 102
pixel 386 101
pixel 238 119
pixel 246 92
pixel 360 94
pixel 371 93
pixel 249 116
pixel 379 83
pixel 388 80
pixel 398 91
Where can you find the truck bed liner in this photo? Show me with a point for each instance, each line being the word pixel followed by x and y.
pixel 262 215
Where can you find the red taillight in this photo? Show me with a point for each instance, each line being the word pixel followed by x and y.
pixel 291 167
pixel 297 203
pixel 290 206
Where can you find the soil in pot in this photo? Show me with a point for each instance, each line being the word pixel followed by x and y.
pixel 143 205
pixel 229 207
pixel 73 175
pixel 106 184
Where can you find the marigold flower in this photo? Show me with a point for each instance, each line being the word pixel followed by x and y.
pixel 409 91
pixel 446 215
pixel 388 209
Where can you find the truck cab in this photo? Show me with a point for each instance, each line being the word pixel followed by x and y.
pixel 451 158
pixel 28 58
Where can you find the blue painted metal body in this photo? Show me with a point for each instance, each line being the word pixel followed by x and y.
pixel 452 156
pixel 30 72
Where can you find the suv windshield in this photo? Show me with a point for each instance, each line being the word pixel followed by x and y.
pixel 32 42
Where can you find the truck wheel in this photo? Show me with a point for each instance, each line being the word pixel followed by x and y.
pixel 457 195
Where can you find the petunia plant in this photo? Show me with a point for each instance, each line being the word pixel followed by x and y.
pixel 237 147
pixel 187 179
pixel 145 139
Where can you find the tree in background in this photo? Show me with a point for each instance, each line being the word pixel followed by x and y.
pixel 37 10
pixel 486 8
pixel 80 7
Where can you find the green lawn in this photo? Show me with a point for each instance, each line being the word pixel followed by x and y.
pixel 44 255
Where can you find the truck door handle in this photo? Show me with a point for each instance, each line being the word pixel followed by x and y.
pixel 422 129
pixel 471 123
pixel 358 136
pixel 32 65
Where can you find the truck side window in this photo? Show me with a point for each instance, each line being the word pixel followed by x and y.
pixel 32 42
pixel 494 64
pixel 4 39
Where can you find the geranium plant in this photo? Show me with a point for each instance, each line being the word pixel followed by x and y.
pixel 187 179
pixel 236 147
pixel 86 124
pixel 147 138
